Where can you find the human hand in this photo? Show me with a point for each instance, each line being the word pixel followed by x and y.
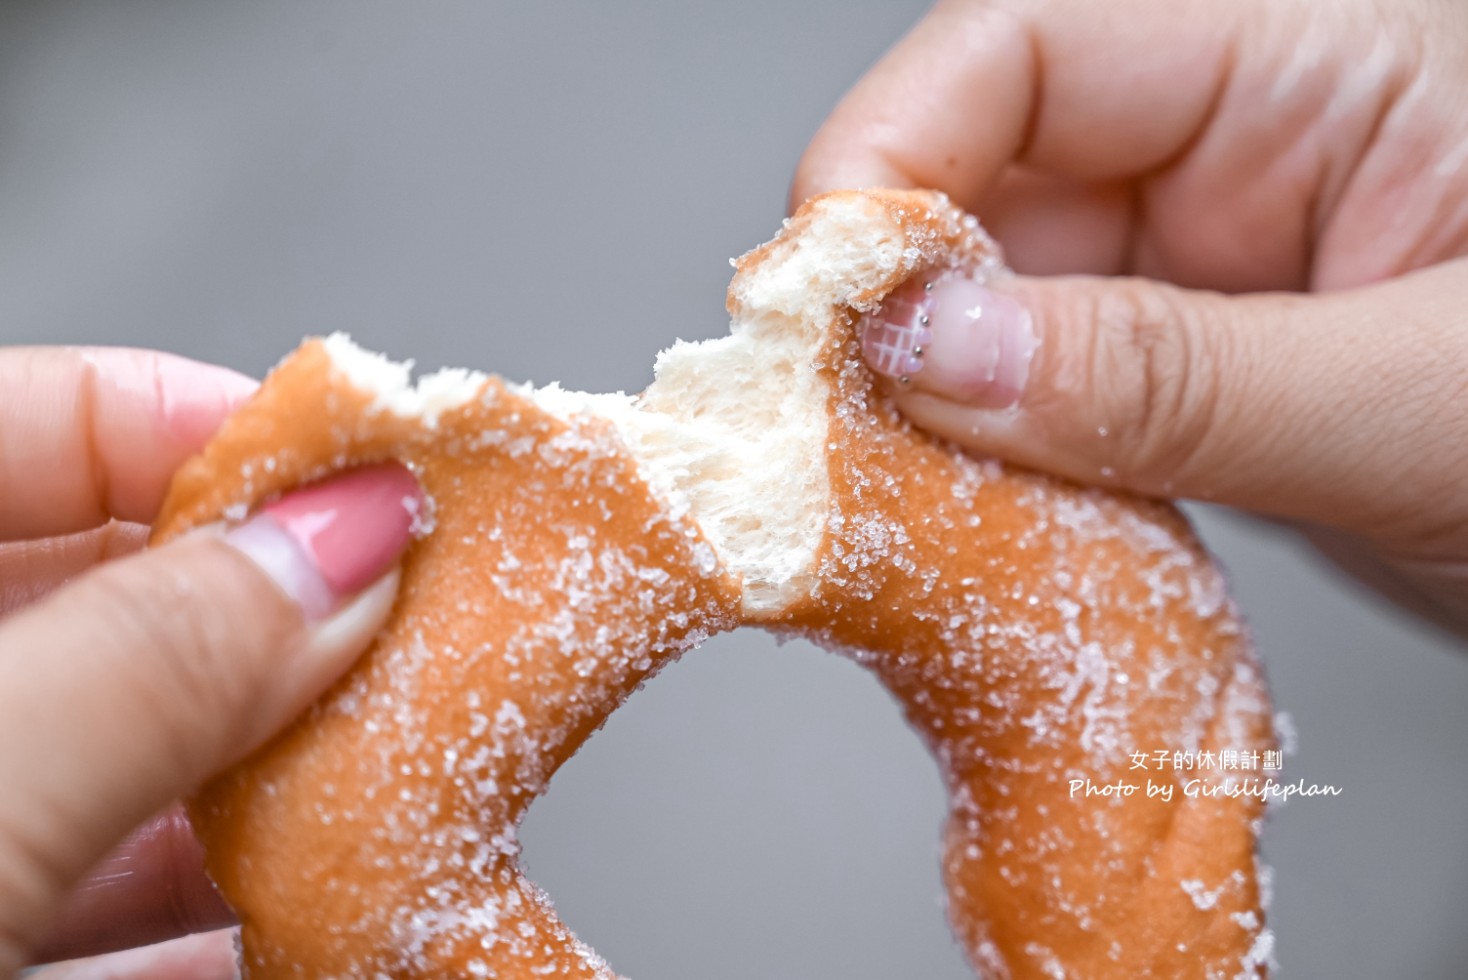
pixel 1311 159
pixel 124 686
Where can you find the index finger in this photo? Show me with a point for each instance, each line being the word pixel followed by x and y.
pixel 1070 87
pixel 90 434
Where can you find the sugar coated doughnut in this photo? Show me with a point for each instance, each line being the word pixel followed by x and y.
pixel 1039 636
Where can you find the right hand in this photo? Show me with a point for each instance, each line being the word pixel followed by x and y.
pixel 1201 148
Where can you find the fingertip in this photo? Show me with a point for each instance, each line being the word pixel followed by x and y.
pixel 325 542
pixel 952 335
pixel 910 121
pixel 979 431
pixel 94 433
pixel 336 642
pixel 192 398
pixel 185 400
pixel 838 159
pixel 1008 369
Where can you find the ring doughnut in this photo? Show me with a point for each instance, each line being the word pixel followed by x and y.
pixel 1036 633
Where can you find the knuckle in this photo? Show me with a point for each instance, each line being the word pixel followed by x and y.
pixel 1152 368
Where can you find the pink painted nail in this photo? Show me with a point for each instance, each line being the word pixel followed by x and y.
pixel 952 337
pixel 324 543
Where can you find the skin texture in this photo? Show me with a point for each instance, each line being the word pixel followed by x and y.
pixel 125 678
pixel 1036 634
pixel 1274 193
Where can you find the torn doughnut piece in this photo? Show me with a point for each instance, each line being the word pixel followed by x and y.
pixel 1037 634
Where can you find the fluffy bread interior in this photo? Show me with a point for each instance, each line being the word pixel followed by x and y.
pixel 731 434
pixel 733 431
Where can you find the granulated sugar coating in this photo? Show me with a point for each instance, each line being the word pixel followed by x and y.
pixel 1038 635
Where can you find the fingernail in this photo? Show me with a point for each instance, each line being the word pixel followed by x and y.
pixel 324 543
pixel 953 337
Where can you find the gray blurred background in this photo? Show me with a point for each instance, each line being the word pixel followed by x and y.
pixel 553 190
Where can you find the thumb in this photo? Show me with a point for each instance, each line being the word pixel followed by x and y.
pixel 128 687
pixel 1343 408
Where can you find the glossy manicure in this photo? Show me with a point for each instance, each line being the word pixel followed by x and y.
pixel 953 337
pixel 324 543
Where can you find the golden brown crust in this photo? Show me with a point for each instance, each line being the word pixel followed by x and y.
pixel 1065 630
pixel 376 836
pixel 1035 633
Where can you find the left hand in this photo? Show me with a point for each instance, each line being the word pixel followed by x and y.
pixel 123 686
pixel 88 442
